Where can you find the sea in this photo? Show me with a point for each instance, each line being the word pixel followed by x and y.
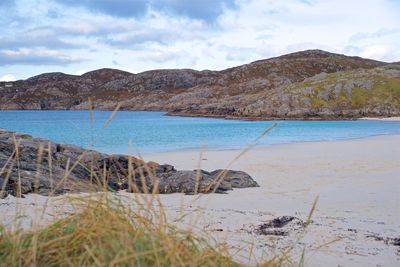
pixel 152 132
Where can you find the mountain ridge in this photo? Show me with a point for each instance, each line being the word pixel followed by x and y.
pixel 257 90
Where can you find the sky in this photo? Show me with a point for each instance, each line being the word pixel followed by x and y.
pixel 77 36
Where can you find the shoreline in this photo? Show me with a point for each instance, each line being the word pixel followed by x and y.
pixel 381 118
pixel 264 118
pixel 260 146
pixel 230 117
pixel 254 146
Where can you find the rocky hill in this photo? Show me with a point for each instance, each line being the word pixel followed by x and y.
pixel 308 84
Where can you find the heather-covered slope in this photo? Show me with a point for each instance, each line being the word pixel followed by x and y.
pixel 344 94
pixel 306 84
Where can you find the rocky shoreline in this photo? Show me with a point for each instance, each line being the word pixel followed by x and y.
pixel 310 85
pixel 35 165
pixel 258 118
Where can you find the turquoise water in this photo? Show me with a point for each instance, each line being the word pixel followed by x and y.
pixel 152 132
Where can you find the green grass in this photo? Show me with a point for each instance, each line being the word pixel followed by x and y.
pixel 384 89
pixel 317 103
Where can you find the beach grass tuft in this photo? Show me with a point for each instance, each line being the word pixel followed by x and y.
pixel 105 233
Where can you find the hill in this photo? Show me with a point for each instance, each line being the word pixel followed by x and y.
pixel 307 84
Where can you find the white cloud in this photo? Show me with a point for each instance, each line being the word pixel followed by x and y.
pixel 375 51
pixel 7 78
pixel 253 30
pixel 164 56
pixel 38 56
pixel 80 72
pixel 292 25
pixel 386 52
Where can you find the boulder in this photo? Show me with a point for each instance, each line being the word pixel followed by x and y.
pixel 280 226
pixel 190 182
pixel 37 165
pixel 237 179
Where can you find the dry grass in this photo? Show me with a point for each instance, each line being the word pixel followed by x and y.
pixel 105 233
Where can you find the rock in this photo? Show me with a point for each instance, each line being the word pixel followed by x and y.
pixel 395 241
pixel 164 168
pixel 279 222
pixel 3 194
pixel 191 181
pixel 74 169
pixel 280 226
pixel 237 179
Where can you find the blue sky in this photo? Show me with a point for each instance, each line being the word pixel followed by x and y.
pixel 76 36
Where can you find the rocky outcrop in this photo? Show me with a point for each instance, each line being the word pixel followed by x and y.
pixel 303 85
pixel 237 179
pixel 30 164
pixel 280 226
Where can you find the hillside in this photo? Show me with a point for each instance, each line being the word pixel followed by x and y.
pixel 307 84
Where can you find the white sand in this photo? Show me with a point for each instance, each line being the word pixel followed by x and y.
pixel 357 181
pixel 381 118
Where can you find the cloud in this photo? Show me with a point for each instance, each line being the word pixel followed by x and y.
pixel 55 37
pixel 361 36
pixel 115 8
pixel 132 40
pixel 381 44
pixel 159 31
pixel 375 51
pixel 7 78
pixel 80 72
pixel 26 41
pixel 206 10
pixel 35 57
pixel 165 56
pixel 237 53
pixel 95 28
pixel 382 52
pixel 307 2
pixel 52 35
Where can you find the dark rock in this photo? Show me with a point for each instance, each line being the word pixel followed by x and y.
pixel 237 179
pixel 277 232
pixel 66 168
pixel 395 241
pixel 375 237
pixel 190 182
pixel 3 194
pixel 279 222
pixel 280 226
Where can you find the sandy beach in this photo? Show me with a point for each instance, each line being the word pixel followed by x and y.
pixel 381 119
pixel 355 223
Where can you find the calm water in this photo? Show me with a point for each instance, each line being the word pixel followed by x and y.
pixel 153 132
